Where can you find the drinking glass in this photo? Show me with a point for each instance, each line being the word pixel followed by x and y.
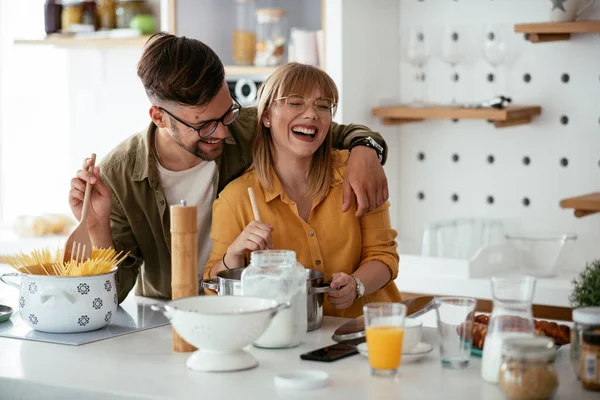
pixel 384 323
pixel 455 327
pixel 417 54
pixel 495 52
pixel 453 52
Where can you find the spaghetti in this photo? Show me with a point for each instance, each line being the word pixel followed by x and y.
pixel 46 262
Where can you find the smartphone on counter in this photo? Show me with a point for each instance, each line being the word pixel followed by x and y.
pixel 330 353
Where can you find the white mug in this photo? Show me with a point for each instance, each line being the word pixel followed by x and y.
pixel 568 10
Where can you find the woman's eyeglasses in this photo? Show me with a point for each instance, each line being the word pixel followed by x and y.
pixel 209 127
pixel 298 104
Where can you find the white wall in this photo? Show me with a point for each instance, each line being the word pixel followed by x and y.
pixel 544 182
pixel 362 59
pixel 32 126
pixel 58 106
pixel 371 68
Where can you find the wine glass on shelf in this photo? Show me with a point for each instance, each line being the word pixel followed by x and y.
pixel 417 53
pixel 454 51
pixel 495 53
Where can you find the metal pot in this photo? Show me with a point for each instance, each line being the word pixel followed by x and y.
pixel 66 304
pixel 316 287
pixel 228 282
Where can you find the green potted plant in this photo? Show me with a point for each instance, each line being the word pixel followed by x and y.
pixel 586 288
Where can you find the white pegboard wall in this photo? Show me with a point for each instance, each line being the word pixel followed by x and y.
pixel 469 185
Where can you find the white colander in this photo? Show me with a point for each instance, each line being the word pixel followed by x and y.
pixel 220 327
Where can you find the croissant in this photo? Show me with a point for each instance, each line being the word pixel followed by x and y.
pixel 479 331
pixel 561 334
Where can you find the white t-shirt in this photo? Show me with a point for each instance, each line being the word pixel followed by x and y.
pixel 197 185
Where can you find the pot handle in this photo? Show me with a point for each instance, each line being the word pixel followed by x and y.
pixel 212 284
pixel 321 289
pixel 9 283
pixel 162 308
pixel 49 292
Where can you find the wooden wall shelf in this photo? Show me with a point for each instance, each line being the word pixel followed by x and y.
pixel 140 41
pixel 553 31
pixel 238 70
pixel 509 116
pixel 583 205
pixel 72 42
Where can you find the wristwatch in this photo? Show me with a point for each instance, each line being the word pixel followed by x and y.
pixel 368 142
pixel 360 288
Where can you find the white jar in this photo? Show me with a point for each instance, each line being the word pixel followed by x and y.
pixel 584 319
pixel 275 274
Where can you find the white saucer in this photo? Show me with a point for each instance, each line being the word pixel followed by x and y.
pixel 302 380
pixel 420 351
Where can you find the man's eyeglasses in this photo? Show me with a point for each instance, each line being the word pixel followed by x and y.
pixel 209 127
pixel 298 104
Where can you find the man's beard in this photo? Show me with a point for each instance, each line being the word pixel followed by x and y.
pixel 195 150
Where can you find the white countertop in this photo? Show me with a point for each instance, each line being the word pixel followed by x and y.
pixel 143 366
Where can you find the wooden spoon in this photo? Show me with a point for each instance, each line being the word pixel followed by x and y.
pixel 254 204
pixel 79 245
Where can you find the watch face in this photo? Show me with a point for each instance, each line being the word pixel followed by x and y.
pixel 375 144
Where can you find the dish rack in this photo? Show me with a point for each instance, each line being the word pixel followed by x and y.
pixel 479 248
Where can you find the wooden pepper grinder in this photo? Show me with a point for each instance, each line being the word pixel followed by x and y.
pixel 184 260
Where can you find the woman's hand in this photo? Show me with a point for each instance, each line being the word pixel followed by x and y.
pixel 345 296
pixel 255 236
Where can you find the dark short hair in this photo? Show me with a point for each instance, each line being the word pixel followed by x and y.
pixel 180 69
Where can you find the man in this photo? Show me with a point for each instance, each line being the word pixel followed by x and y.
pixel 199 139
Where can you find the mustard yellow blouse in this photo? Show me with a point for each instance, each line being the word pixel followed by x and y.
pixel 331 241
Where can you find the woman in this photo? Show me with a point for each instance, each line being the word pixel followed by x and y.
pixel 296 177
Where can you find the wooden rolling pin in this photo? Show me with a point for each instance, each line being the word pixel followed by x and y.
pixel 184 260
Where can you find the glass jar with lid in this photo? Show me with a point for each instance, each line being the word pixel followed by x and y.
pixel 590 360
pixel 584 319
pixel 244 34
pixel 126 10
pixel 271 37
pixel 275 274
pixel 72 14
pixel 527 371
pixel 88 13
pixel 52 16
pixel 107 14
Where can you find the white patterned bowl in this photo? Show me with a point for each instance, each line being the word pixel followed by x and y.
pixel 220 327
pixel 66 304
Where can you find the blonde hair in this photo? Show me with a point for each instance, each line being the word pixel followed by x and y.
pixel 293 78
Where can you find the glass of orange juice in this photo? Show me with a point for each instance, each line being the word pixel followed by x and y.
pixel 384 324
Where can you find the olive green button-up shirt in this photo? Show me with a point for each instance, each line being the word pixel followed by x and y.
pixel 140 218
